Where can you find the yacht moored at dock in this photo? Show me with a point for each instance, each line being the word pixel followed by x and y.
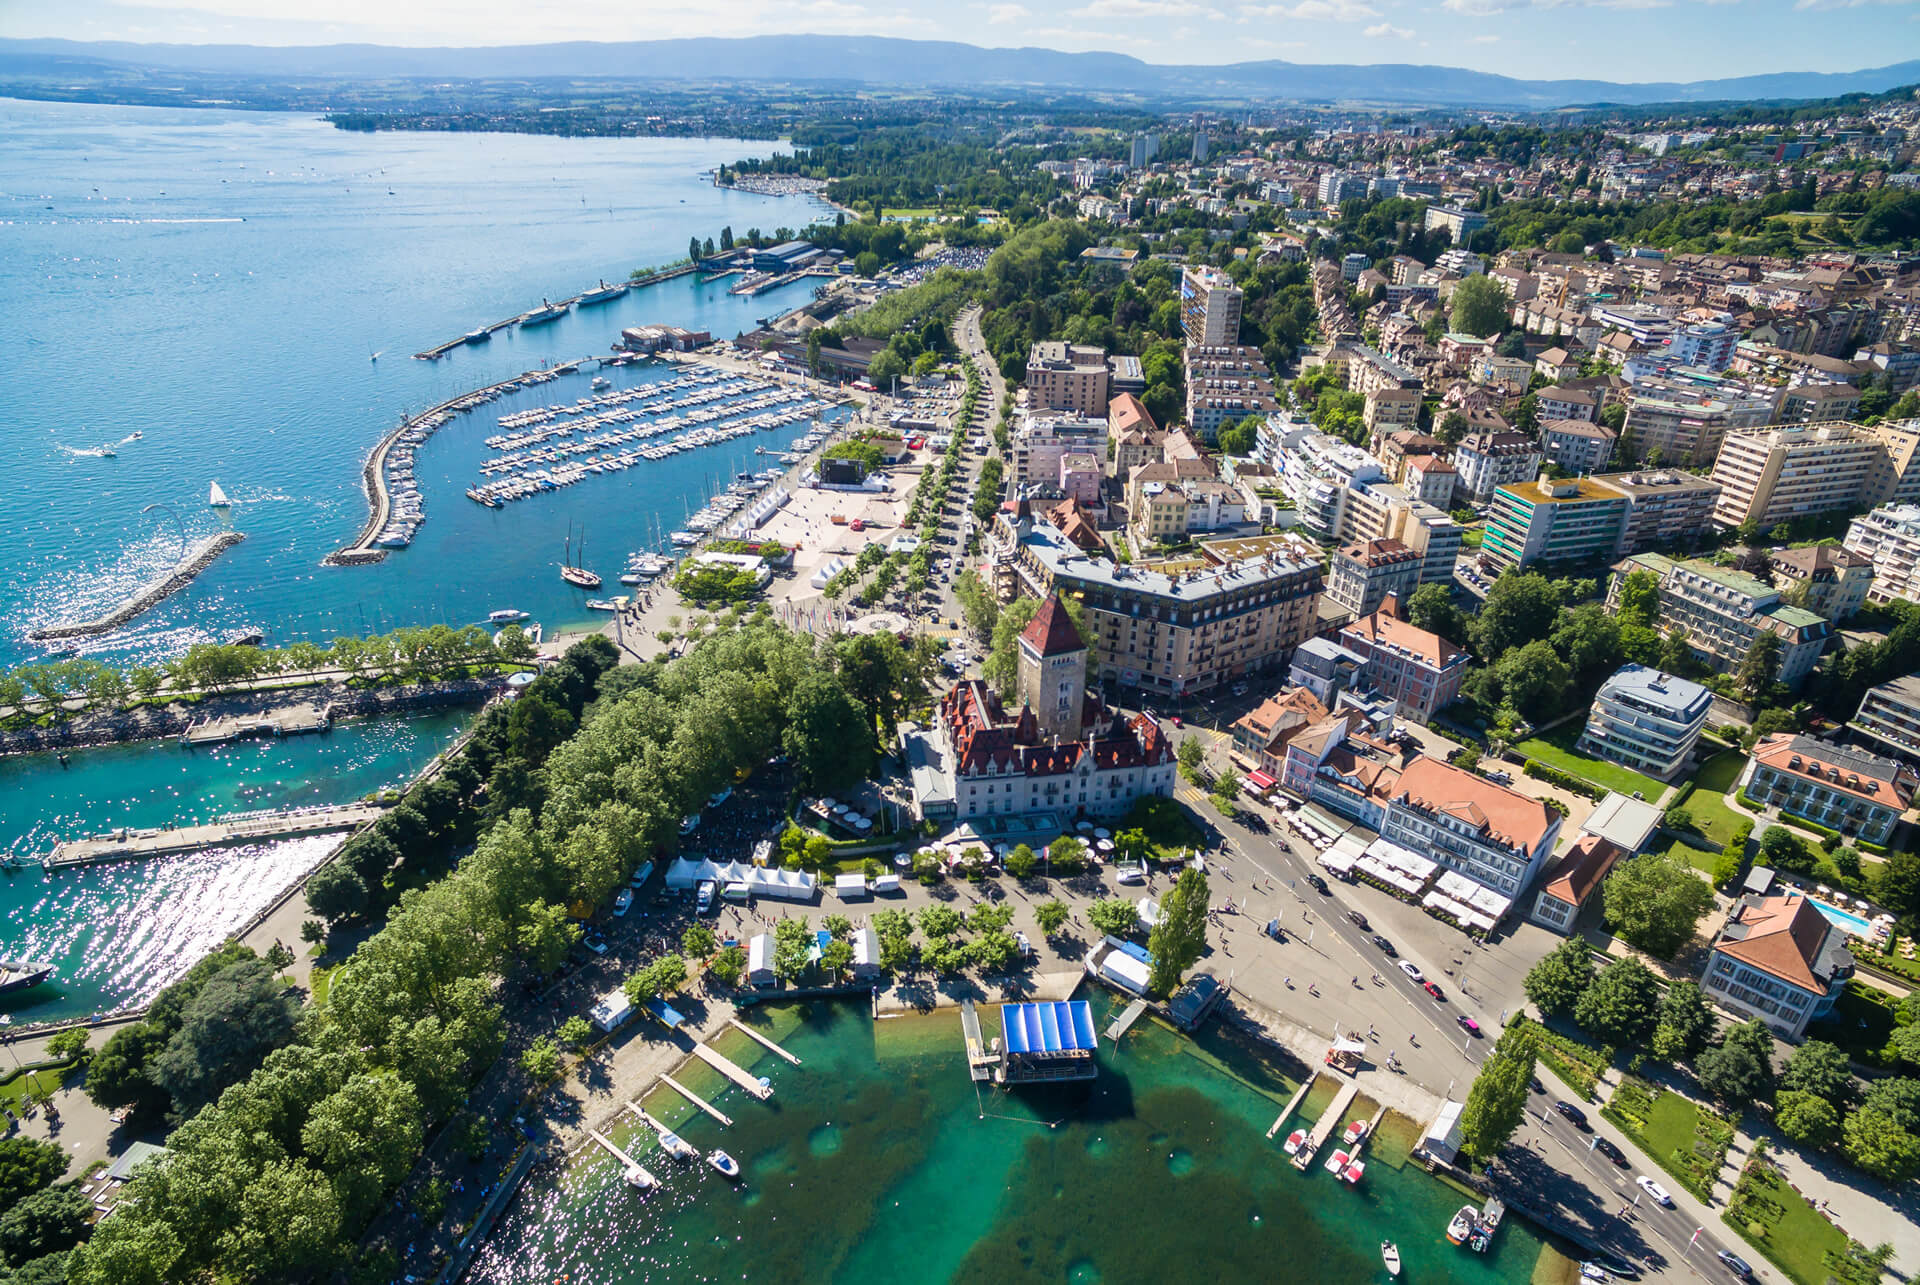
pixel 601 295
pixel 544 313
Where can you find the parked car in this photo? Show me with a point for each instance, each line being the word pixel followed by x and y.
pixel 1470 1026
pixel 1610 1151
pixel 715 800
pixel 703 901
pixel 1654 1189
pixel 622 902
pixel 1736 1264
pixel 1412 970
pixel 1433 989
pixel 1572 1113
pixel 1131 874
pixel 689 824
pixel 1386 947
pixel 1360 920
pixel 1319 885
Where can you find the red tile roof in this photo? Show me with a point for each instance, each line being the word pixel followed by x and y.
pixel 1784 936
pixel 1497 812
pixel 1579 871
pixel 1051 630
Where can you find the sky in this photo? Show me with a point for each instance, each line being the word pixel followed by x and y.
pixel 1619 40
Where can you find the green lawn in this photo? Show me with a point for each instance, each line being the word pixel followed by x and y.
pixel 1556 750
pixel 1712 816
pixel 1686 1141
pixel 1777 1220
pixel 1701 861
pixel 45 1081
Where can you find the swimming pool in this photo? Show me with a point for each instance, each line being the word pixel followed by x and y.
pixel 1847 921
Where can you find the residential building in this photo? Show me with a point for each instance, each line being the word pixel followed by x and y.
pixel 1576 445
pixel 1341 764
pixel 1432 478
pixel 1899 479
pixel 1889 718
pixel 1241 611
pixel 1125 375
pixel 1361 576
pixel 1381 511
pixel 1826 578
pixel 1723 611
pixel 1388 409
pixel 1559 405
pixel 1666 509
pixel 1780 960
pixel 1224 385
pixel 1397 448
pixel 1037 445
pixel 1708 345
pixel 1573 877
pixel 1492 835
pixel 1772 475
pixel 1261 736
pixel 1460 224
pixel 1210 307
pixel 1685 420
pixel 1889 538
pixel 1080 476
pixel 1418 670
pixel 1817 402
pixel 1132 436
pixel 1556 364
pixel 1316 470
pixel 1488 461
pixel 1352 265
pixel 1855 792
pixel 1569 520
pixel 1338 186
pixel 1324 669
pixel 1646 720
pixel 1069 377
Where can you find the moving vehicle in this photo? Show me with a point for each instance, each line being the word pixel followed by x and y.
pixel 1433 989
pixel 1386 947
pixel 1610 1151
pixel 1736 1264
pixel 1412 970
pixel 1470 1026
pixel 725 1164
pixel 1463 1225
pixel 506 616
pixel 1654 1189
pixel 1319 885
pixel 18 974
pixel 1359 920
pixel 1572 1113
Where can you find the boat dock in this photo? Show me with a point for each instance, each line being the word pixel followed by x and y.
pixel 1120 1025
pixel 633 1167
pixel 1299 1095
pixel 440 350
pixel 696 1099
pixel 980 1062
pixel 290 721
pixel 1491 1215
pixel 147 596
pixel 770 1044
pixel 123 845
pixel 1323 1127
pixel 720 1063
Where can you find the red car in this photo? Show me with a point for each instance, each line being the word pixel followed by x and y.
pixel 1434 991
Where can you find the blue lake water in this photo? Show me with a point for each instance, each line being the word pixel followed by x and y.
pixel 216 281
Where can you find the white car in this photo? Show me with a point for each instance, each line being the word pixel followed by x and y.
pixel 1131 874
pixel 623 902
pixel 1412 970
pixel 1654 1189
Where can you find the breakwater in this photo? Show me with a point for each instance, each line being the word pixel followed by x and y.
pixel 128 845
pixel 335 700
pixel 481 334
pixel 148 596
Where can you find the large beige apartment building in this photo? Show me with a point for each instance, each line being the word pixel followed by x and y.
pixel 1070 377
pixel 1722 612
pixel 1686 421
pixel 1239 608
pixel 1773 475
pixel 1210 307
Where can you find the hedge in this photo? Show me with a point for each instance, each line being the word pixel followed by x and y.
pixel 1565 780
pixel 1680 796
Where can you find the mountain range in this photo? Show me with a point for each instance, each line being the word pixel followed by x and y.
pixel 880 60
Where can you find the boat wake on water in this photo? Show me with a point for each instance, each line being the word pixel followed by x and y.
pixel 104 451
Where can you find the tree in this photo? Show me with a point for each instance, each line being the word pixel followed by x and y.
pixel 1900 882
pixel 1740 1069
pixel 729 966
pixel 886 366
pixel 575 1032
pixel 1115 916
pixel 1066 855
pixel 978 606
pixel 541 1060
pixel 1519 609
pixel 698 941
pixel 1021 862
pixel 242 1013
pixel 366 1135
pixel 1053 916
pixel 993 951
pixel 1807 1118
pixel 1877 1142
pixel 48 1221
pixel 1590 640
pixel 1226 790
pixel 1639 599
pixel 1782 849
pixel 1654 901
pixel 26 1166
pixel 118 1076
pixel 1685 1023
pixel 939 922
pixel 1497 1102
pixel 1190 755
pixel 1819 1068
pixel 1759 667
pixel 69 1044
pixel 336 892
pixel 1479 306
pixel 828 734
pixel 1534 680
pixel 1431 608
pixel 1556 983
pixel 1179 939
pixel 1619 1007
pixel 836 957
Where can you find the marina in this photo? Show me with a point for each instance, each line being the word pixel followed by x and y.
pixel 718 1115
pixel 603 293
pixel 1323 1127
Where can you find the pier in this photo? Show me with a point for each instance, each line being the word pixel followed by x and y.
pixel 719 1063
pixel 770 1044
pixel 438 351
pixel 1120 1025
pixel 636 1173
pixel 125 845
pixel 696 1099
pixel 149 595
pixel 980 1062
pixel 293 720
pixel 1323 1127
pixel 1299 1095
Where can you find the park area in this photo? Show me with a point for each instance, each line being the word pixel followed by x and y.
pixel 1684 1138
pixel 1555 749
pixel 1788 1231
pixel 1712 817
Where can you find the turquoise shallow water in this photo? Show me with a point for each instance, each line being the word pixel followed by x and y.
pixel 875 1160
pixel 118 932
pixel 217 281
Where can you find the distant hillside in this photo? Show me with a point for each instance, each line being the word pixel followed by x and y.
pixel 879 60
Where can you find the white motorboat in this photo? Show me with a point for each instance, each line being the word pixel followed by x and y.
pixel 506 616
pixel 1464 1224
pixel 639 1178
pixel 724 1164
pixel 1294 1140
pixel 1390 1255
pixel 601 604
pixel 677 1147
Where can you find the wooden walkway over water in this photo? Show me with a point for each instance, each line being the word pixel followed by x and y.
pixel 770 1044
pixel 719 1062
pixel 632 1166
pixel 1299 1096
pixel 125 845
pixel 1323 1127
pixel 696 1099
pixel 290 720
pixel 1120 1025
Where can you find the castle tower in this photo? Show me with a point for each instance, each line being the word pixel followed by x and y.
pixel 1053 671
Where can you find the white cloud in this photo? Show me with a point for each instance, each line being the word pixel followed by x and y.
pixel 1314 11
pixel 1843 4
pixel 1003 14
pixel 1382 29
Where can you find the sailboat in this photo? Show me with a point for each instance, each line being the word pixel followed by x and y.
pixel 572 572
pixel 217 498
